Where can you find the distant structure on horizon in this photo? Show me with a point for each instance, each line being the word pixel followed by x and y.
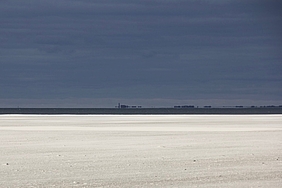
pixel 126 106
pixel 185 106
pixel 238 106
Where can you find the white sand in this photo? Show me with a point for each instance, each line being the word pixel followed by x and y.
pixel 141 151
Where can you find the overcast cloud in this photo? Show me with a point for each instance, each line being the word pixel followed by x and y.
pixel 82 53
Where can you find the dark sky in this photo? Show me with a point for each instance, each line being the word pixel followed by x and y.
pixel 161 53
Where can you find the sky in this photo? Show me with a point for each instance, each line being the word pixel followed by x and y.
pixel 153 53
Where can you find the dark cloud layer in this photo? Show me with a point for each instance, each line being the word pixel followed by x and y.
pixel 82 53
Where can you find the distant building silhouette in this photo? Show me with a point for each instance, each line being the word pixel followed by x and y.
pixel 185 106
pixel 126 106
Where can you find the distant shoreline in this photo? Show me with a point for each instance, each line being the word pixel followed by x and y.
pixel 148 111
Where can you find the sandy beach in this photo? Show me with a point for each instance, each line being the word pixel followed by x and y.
pixel 141 151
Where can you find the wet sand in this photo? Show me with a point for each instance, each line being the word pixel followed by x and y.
pixel 141 150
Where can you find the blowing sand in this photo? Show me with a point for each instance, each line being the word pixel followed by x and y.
pixel 141 151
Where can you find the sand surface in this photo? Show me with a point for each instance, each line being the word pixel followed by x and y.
pixel 141 151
